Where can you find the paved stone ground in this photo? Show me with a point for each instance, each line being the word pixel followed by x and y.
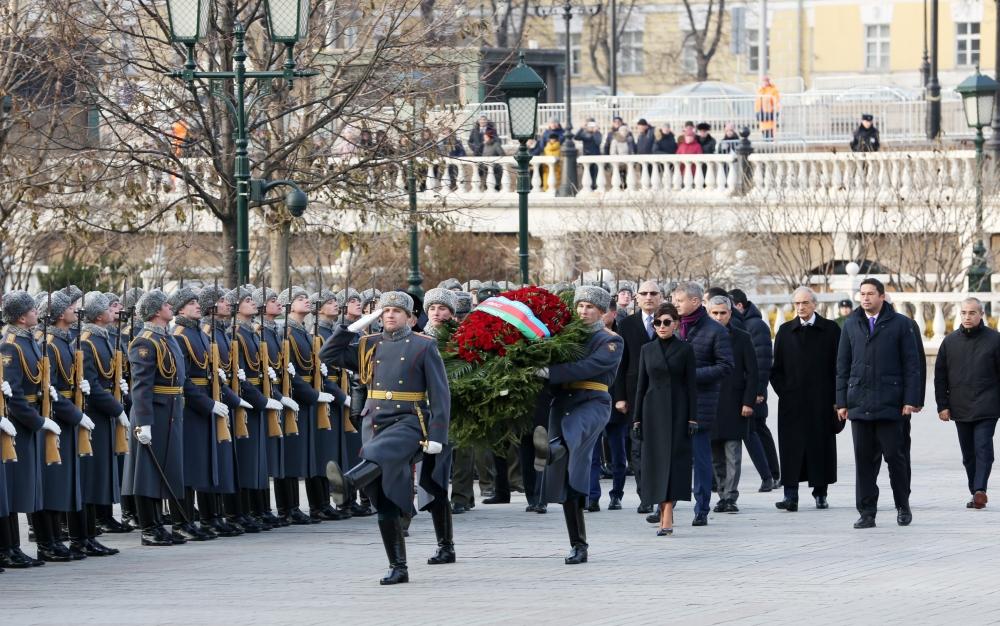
pixel 758 566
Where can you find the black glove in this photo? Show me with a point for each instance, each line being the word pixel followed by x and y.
pixel 637 430
pixel 692 428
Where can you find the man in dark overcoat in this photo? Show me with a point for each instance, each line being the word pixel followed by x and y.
pixel 803 376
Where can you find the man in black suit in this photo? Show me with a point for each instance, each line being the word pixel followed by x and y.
pixel 635 330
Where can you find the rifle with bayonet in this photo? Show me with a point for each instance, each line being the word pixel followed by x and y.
pixel 291 419
pixel 118 374
pixel 221 422
pixel 52 456
pixel 273 415
pixel 322 408
pixel 84 443
pixel 240 416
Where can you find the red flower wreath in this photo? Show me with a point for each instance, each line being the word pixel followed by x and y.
pixel 482 335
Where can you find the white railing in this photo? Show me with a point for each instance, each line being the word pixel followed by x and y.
pixel 652 174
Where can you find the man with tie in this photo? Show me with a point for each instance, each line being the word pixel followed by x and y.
pixel 878 388
pixel 803 376
pixel 635 330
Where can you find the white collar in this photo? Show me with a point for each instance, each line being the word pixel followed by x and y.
pixel 809 322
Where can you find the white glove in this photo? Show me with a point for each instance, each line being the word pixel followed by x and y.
pixel 272 405
pixel 85 387
pixel 8 427
pixel 347 401
pixel 365 321
pixel 272 374
pixel 123 386
pixel 433 447
pixel 51 426
pixel 5 386
pixel 290 404
pixel 220 409
pixel 144 434
pixel 222 376
pixel 53 394
pixel 241 375
pixel 245 404
pixel 323 370
pixel 325 397
pixel 291 369
pixel 542 372
pixel 86 422
pixel 123 420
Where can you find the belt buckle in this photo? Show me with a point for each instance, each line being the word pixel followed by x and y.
pixel 388 395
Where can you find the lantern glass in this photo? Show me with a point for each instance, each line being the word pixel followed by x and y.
pixel 979 109
pixel 288 20
pixel 188 20
pixel 523 116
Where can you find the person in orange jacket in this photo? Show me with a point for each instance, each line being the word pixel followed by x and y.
pixel 768 108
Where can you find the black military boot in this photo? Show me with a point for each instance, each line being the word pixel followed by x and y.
pixel 573 512
pixel 343 483
pixel 441 515
pixel 546 450
pixel 395 549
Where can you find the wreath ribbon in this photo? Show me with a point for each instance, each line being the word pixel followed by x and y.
pixel 517 314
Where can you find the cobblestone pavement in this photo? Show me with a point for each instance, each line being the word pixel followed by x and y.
pixel 758 566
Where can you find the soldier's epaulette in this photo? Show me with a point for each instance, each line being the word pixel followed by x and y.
pixel 425 336
pixel 50 338
pixel 370 335
pixel 611 332
pixel 38 335
pixel 85 335
pixel 10 338
pixel 178 330
pixel 146 334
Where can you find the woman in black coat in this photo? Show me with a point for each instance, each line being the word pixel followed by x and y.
pixel 665 410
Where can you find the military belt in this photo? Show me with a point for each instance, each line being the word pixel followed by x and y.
pixel 253 381
pixel 168 391
pixel 308 378
pixel 32 398
pixel 405 396
pixel 201 382
pixel 66 394
pixel 586 384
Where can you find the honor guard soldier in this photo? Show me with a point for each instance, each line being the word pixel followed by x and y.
pixel 251 451
pixel 22 386
pixel 336 381
pixel 208 454
pixel 581 409
pixel 99 479
pixel 277 369
pixel 349 313
pixel 314 443
pixel 154 468
pixel 213 299
pixel 61 492
pixel 407 411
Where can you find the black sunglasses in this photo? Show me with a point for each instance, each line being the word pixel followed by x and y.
pixel 649 293
pixel 658 323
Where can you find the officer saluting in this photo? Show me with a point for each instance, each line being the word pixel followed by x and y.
pixel 157 368
pixel 408 410
pixel 581 408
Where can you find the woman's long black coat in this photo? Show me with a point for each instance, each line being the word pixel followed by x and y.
pixel 664 404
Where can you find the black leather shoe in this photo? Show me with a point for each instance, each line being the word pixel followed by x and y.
pixel 731 507
pixel 720 506
pixel 190 532
pixel 298 518
pixel 594 507
pixel 865 521
pixel 904 516
pixel 113 526
pixel 78 550
pixel 47 554
pixel 152 538
pixel 615 505
pixel 364 510
pixel 497 499
pixel 821 502
pixel 766 485
pixel 249 525
pixel 701 519
pixel 18 554
pixel 458 509
pixel 787 505
pixel 335 514
pixel 14 560
pixel 542 508
pixel 177 538
pixel 577 555
pixel 644 509
pixel 444 554
pixel 59 548
pixel 96 548
pixel 395 576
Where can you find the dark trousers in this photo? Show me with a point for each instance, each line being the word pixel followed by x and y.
pixel 701 447
pixel 614 434
pixel 635 456
pixel 976 441
pixel 532 484
pixel 9 532
pixel 761 434
pixel 873 441
pixel 792 492
pixel 148 512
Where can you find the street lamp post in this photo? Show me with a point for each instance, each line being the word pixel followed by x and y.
pixel 933 85
pixel 287 23
pixel 994 142
pixel 521 88
pixel 979 99
pixel 925 64
pixel 415 279
pixel 568 185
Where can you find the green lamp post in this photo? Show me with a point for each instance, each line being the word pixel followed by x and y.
pixel 521 88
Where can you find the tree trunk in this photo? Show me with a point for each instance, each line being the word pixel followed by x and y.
pixel 703 68
pixel 228 251
pixel 278 236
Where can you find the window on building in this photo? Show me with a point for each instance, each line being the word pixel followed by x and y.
pixel 877 47
pixel 630 54
pixel 753 51
pixel 967 43
pixel 575 51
